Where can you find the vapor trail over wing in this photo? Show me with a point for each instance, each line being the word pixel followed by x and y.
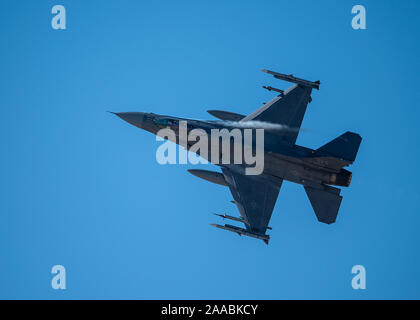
pixel 287 109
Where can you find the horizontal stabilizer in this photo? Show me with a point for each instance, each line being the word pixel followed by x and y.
pixel 343 147
pixel 211 176
pixel 226 115
pixel 325 203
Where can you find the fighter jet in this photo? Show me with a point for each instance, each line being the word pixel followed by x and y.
pixel 317 170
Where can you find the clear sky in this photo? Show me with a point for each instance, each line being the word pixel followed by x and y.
pixel 81 188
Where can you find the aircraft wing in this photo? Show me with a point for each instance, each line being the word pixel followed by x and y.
pixel 287 109
pixel 255 198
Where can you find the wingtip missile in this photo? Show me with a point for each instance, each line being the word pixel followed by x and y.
pixel 291 78
pixel 240 231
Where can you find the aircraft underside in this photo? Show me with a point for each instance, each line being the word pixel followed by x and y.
pixel 255 195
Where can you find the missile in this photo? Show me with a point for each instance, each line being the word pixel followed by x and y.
pixel 240 231
pixel 226 216
pixel 273 89
pixel 293 79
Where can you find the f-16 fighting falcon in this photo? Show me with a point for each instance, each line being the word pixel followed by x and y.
pixel 255 195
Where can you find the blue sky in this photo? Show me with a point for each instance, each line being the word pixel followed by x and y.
pixel 81 188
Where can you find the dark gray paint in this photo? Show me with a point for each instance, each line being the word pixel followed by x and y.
pixel 255 196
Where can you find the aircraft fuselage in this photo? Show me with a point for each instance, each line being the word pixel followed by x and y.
pixel 281 161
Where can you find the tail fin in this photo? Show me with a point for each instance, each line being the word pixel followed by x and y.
pixel 344 147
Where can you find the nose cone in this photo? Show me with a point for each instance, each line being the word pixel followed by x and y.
pixel 134 118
